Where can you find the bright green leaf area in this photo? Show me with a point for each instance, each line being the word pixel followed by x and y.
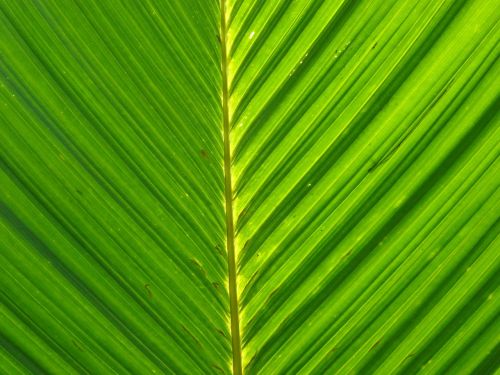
pixel 355 143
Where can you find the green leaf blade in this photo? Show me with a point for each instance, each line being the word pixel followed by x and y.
pixel 113 220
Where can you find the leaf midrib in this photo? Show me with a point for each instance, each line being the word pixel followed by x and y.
pixel 228 193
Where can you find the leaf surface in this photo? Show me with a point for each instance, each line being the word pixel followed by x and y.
pixel 365 138
pixel 113 230
pixel 355 145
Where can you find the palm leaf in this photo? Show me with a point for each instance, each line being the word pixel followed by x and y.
pixel 113 208
pixel 327 202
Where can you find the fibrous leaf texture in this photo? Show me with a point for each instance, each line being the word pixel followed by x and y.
pixel 247 186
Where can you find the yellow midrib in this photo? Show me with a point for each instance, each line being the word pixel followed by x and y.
pixel 233 293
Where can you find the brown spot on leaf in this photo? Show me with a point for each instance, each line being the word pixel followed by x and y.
pixel 221 332
pixel 346 254
pixel 375 345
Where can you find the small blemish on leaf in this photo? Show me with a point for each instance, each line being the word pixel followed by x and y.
pixel 219 250
pixel 78 346
pixel 221 332
pixel 375 345
pixel 410 355
pixel 148 291
pixel 191 335
pixel 198 266
pixel 346 254
pixel 333 350
pixel 218 369
pixel 242 214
